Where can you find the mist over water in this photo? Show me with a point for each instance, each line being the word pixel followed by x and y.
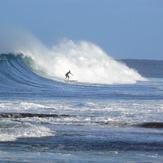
pixel 87 61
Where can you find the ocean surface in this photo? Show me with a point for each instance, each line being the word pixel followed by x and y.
pixel 43 119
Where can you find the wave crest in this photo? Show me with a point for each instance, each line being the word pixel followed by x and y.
pixel 88 63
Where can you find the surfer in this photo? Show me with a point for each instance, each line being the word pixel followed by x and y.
pixel 67 75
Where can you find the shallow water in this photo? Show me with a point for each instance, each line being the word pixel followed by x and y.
pixel 81 131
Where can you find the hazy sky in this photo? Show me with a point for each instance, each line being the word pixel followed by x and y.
pixel 123 28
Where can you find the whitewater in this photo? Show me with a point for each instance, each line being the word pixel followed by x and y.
pixel 111 112
pixel 88 62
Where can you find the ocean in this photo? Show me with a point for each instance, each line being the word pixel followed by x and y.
pixel 110 114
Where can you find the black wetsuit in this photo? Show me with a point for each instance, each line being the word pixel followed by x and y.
pixel 67 75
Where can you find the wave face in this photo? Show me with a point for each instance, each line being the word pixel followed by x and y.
pixel 18 80
pixel 88 63
pixel 16 76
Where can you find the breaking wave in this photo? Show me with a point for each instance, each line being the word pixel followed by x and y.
pixel 87 61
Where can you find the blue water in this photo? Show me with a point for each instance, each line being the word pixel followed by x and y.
pixel 87 122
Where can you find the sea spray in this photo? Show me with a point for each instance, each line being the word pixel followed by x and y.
pixel 87 61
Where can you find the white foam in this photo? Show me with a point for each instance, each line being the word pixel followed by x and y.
pixel 30 105
pixel 87 61
pixel 24 106
pixel 28 130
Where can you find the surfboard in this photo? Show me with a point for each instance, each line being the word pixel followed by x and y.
pixel 71 80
